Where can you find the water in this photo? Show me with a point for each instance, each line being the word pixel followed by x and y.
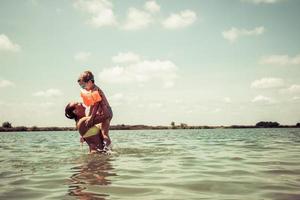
pixel 162 164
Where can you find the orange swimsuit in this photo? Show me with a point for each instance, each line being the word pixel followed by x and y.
pixel 90 97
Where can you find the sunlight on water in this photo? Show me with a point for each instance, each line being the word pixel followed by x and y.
pixel 161 164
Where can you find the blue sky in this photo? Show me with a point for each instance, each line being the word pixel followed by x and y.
pixel 194 61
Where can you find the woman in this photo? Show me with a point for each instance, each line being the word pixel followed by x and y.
pixel 92 135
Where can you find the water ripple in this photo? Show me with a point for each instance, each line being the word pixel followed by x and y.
pixel 160 164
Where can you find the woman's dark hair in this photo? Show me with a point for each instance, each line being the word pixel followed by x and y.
pixel 69 112
pixel 86 76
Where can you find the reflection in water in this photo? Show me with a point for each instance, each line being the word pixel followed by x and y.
pixel 93 172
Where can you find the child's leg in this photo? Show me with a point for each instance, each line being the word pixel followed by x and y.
pixel 104 130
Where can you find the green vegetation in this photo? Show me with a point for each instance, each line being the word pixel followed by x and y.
pixel 267 124
pixel 173 125
pixel 7 127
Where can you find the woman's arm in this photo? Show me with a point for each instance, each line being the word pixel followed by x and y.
pixel 81 125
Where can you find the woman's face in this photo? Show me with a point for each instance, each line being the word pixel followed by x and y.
pixel 79 109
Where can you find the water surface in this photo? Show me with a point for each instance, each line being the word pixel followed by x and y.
pixel 161 164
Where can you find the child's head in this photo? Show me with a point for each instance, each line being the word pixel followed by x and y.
pixel 86 80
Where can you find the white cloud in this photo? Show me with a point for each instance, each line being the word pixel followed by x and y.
pixel 117 96
pixel 142 72
pixel 46 104
pixel 127 57
pixel 263 1
pixel 137 19
pixel 41 105
pixel 227 100
pixel 168 84
pixel 105 18
pixel 101 14
pixel 234 33
pixel 291 90
pixel 6 83
pixel 82 56
pixel 281 60
pixel 262 99
pixel 116 99
pixel 7 45
pixel 48 93
pixel 216 110
pixel 183 19
pixel 100 10
pixel 296 98
pixel 152 6
pixel 294 89
pixel 267 83
pixel 155 105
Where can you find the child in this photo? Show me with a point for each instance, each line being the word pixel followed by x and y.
pixel 100 110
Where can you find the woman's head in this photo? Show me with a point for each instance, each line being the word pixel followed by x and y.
pixel 75 111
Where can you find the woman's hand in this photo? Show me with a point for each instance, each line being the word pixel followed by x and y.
pixel 81 140
pixel 88 122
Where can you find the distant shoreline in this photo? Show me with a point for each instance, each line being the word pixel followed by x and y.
pixel 139 127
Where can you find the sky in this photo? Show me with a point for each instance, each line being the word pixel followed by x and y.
pixel 199 62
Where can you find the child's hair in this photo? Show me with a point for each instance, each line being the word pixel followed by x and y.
pixel 69 112
pixel 86 76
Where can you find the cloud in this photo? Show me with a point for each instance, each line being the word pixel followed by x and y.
pixel 216 110
pixel 142 72
pixel 117 96
pixel 152 6
pixel 6 83
pixel 234 33
pixel 294 89
pixel 137 19
pixel 127 57
pixel 48 93
pixel 296 98
pixel 155 105
pixel 82 56
pixel 101 14
pixel 281 60
pixel 291 90
pixel 180 20
pixel 39 104
pixel 265 83
pixel 227 100
pixel 7 45
pixel 100 11
pixel 262 1
pixel 262 99
pixel 105 18
pixel 117 99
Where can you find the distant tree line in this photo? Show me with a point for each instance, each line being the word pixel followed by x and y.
pixel 7 126
pixel 267 124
